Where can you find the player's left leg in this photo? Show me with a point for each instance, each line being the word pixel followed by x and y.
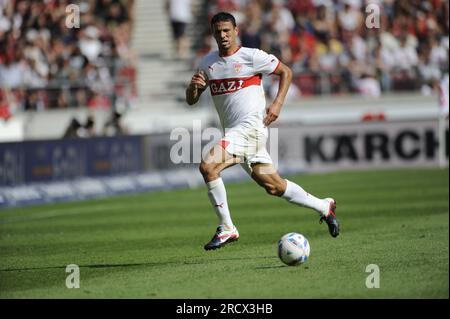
pixel 217 160
pixel 267 177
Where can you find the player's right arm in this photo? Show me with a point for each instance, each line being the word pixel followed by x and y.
pixel 196 87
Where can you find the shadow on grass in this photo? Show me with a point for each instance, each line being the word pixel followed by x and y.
pixel 144 264
pixel 271 267
pixel 96 266
pixel 149 264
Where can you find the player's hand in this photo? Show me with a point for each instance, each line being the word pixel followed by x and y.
pixel 199 81
pixel 272 113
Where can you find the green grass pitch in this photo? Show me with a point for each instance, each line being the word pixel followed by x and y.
pixel 151 245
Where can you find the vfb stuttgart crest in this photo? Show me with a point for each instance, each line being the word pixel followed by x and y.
pixel 237 67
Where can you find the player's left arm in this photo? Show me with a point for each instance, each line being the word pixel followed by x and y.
pixel 273 111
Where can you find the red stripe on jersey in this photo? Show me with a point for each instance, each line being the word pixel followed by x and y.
pixel 276 67
pixel 225 86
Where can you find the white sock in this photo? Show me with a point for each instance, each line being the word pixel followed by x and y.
pixel 218 197
pixel 297 195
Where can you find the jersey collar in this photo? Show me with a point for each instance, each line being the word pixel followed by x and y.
pixel 226 55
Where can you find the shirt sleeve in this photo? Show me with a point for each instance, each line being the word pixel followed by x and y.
pixel 203 66
pixel 265 63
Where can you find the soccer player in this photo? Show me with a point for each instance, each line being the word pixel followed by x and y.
pixel 233 74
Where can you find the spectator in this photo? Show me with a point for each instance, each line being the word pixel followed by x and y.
pixel 322 23
pixel 279 23
pixel 350 20
pixel 12 73
pixel 113 126
pixel 90 44
pixel 405 57
pixel 369 86
pixel 180 16
pixel 438 54
pixel 62 101
pixel 88 129
pixel 251 29
pixel 73 130
pixel 383 62
pixel 5 112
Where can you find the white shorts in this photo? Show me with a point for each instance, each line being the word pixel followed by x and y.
pixel 248 144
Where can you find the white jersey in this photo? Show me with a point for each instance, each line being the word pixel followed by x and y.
pixel 235 82
pixel 443 96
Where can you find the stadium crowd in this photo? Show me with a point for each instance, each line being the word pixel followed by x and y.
pixel 46 64
pixel 46 61
pixel 332 50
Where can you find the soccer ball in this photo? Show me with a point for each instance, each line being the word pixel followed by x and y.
pixel 293 249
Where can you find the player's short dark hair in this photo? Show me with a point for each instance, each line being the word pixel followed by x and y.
pixel 223 17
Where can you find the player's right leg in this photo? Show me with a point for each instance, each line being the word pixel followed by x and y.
pixel 217 160
pixel 266 176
